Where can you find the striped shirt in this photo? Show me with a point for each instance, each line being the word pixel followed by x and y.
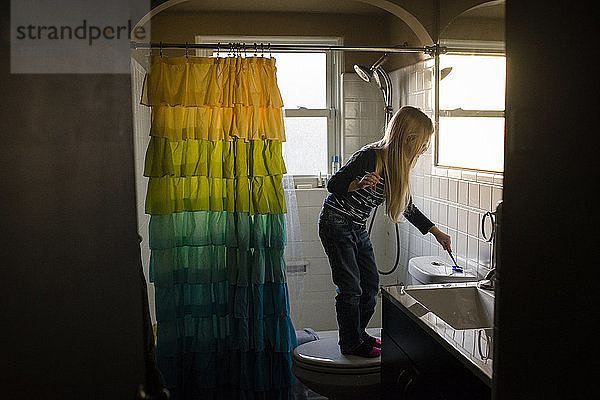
pixel 357 205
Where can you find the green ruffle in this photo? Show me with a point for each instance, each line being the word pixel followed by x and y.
pixel 203 228
pixel 254 195
pixel 217 159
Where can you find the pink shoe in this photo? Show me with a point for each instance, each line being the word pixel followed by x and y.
pixel 375 342
pixel 365 350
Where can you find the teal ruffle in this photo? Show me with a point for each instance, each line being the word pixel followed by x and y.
pixel 201 228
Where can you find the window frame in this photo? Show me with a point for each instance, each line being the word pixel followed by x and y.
pixel 466 48
pixel 334 62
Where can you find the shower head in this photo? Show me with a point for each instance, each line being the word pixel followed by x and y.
pixel 363 72
pixel 444 72
pixel 366 73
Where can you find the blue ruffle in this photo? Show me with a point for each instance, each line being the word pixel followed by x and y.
pixel 222 305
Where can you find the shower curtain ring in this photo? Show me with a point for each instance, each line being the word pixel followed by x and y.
pixel 255 49
pixel 186 49
pixel 269 47
pixel 160 49
pixel 218 49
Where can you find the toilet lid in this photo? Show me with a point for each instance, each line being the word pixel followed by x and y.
pixel 324 354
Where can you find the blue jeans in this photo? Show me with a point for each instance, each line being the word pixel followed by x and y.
pixel 354 273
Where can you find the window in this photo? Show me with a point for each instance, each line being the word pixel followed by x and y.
pixel 309 86
pixel 471 112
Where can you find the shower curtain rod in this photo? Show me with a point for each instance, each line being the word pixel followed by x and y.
pixel 262 47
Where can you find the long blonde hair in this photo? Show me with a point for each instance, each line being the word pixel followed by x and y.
pixel 407 134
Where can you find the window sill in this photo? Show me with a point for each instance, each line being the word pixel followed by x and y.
pixel 307 182
pixel 469 175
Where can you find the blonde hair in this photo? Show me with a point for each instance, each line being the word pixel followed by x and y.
pixel 407 133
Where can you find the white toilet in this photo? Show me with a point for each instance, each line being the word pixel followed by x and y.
pixel 321 367
pixel 434 269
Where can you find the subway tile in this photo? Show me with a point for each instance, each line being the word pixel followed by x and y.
pixel 427 185
pixel 419 100
pixel 485 249
pixel 453 190
pixel 453 235
pixel 472 249
pixel 352 109
pixel 461 244
pixel 428 78
pixel 474 194
pixel 373 129
pixel 318 283
pixel 351 127
pixel 452 217
pixel 434 215
pixel 419 185
pixel 469 175
pixel 308 214
pixel 496 196
pixel 426 207
pixel 443 189
pixel 352 144
pixel 454 173
pixel 309 230
pixel 310 197
pixel 313 249
pixel 485 177
pixel 420 79
pixel 463 192
pixel 485 197
pixel 462 220
pixel 473 223
pixel 435 187
pixel 443 213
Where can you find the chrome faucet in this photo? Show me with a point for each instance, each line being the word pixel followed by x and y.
pixel 489 282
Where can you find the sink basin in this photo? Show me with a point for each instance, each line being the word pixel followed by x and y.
pixel 460 307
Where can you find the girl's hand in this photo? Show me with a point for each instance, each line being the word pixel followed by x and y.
pixel 370 179
pixel 443 239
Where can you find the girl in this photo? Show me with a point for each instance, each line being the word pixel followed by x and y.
pixel 377 172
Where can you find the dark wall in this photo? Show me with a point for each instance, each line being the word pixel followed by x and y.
pixel 548 295
pixel 71 308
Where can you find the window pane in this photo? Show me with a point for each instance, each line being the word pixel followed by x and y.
pixel 474 83
pixel 305 148
pixel 301 78
pixel 472 142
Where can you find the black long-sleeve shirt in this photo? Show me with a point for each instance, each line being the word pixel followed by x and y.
pixel 357 205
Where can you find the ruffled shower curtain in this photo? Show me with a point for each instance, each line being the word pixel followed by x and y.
pixel 217 227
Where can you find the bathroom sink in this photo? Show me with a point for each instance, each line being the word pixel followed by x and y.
pixel 460 307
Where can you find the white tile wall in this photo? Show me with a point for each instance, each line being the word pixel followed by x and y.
pixel 453 199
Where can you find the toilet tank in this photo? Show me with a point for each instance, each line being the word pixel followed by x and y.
pixel 434 269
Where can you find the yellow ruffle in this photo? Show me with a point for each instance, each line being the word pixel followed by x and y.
pixel 217 159
pixel 201 81
pixel 218 123
pixel 254 195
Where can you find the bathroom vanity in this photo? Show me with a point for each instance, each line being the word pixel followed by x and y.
pixel 437 342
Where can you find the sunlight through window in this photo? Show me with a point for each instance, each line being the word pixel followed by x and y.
pixel 471 122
